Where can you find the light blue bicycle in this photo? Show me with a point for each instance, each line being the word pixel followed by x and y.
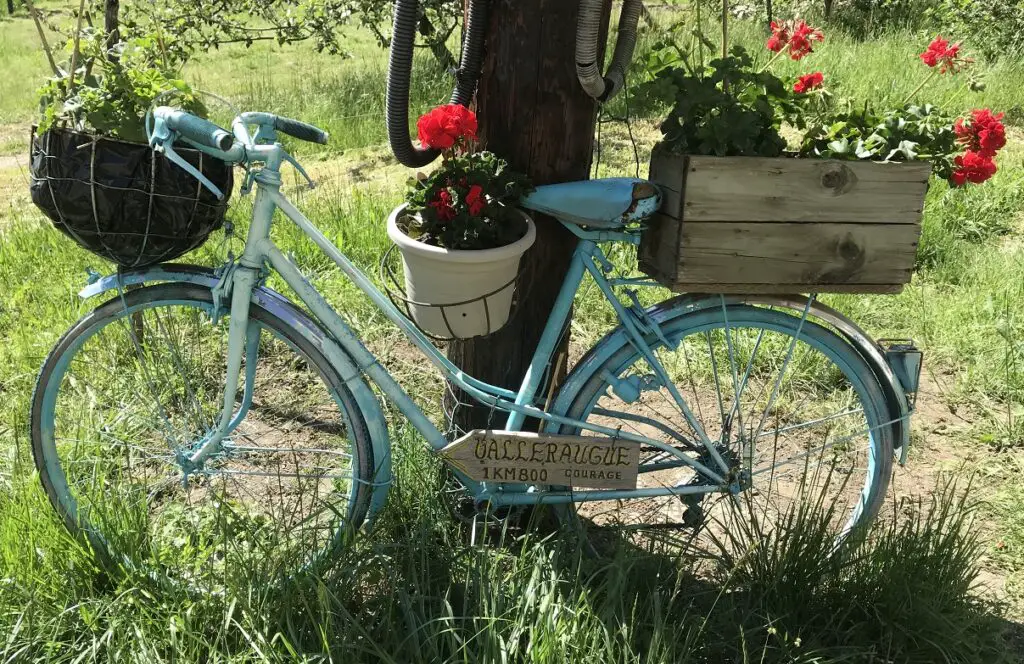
pixel 201 424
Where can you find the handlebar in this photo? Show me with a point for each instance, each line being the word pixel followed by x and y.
pixel 196 129
pixel 301 130
pixel 295 128
pixel 236 147
pixel 205 133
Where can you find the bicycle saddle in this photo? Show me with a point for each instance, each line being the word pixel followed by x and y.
pixel 604 203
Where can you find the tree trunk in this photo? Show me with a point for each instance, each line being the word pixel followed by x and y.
pixel 828 9
pixel 771 11
pixel 534 113
pixel 111 24
pixel 10 6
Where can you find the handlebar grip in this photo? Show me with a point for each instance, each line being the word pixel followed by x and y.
pixel 196 129
pixel 300 130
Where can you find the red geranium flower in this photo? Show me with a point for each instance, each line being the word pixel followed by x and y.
pixel 800 42
pixel 443 205
pixel 972 167
pixel 463 119
pixel 941 54
pixel 475 200
pixel 808 82
pixel 779 38
pixel 984 133
pixel 796 35
pixel 444 126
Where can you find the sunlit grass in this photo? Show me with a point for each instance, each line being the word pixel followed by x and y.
pixel 417 591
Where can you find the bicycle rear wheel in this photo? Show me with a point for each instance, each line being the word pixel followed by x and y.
pixel 130 391
pixel 793 410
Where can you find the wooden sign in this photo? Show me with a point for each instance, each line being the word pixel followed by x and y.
pixel 531 458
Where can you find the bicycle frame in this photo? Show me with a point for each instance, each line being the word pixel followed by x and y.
pixel 242 277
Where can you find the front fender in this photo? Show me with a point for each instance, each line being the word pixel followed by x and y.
pixel 312 331
pixel 664 311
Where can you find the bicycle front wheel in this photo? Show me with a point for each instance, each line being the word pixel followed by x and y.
pixel 792 411
pixel 131 391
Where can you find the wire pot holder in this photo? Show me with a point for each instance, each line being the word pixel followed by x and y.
pixel 122 201
pixel 390 266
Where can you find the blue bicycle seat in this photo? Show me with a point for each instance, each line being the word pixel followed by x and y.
pixel 604 203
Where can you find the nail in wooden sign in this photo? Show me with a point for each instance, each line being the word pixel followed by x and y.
pixel 540 458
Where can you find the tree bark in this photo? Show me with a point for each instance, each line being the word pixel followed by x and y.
pixel 532 112
pixel 111 23
pixel 768 5
pixel 10 6
pixel 828 9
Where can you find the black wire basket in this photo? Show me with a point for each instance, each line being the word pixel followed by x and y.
pixel 445 322
pixel 123 201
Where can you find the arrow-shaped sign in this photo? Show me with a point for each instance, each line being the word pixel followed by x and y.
pixel 541 458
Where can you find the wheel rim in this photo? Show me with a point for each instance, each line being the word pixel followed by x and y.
pixel 133 393
pixel 859 484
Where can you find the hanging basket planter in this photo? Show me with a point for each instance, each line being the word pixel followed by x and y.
pixel 122 201
pixel 458 294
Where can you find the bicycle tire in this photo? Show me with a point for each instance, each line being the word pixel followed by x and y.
pixel 680 321
pixel 150 299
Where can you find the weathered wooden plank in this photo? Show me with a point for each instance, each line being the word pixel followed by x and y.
pixel 720 253
pixel 659 247
pixel 669 173
pixel 785 289
pixel 532 458
pixel 727 189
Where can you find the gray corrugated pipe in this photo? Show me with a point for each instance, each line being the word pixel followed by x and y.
pixel 588 69
pixel 400 69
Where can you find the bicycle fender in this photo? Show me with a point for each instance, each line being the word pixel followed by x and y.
pixel 312 331
pixel 671 308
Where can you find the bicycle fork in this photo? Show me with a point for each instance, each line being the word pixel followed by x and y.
pixel 243 341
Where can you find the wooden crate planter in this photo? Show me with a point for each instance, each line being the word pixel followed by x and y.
pixel 756 225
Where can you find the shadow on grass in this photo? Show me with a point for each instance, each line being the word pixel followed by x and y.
pixel 420 589
pixel 906 592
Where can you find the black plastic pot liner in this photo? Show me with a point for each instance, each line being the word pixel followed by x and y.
pixel 122 201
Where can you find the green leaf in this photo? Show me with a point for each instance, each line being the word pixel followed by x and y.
pixel 840 147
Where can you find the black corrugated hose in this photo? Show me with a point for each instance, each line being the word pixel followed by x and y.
pixel 400 69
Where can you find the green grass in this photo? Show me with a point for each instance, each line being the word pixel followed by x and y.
pixel 417 591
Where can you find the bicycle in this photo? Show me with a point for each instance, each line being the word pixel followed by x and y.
pixel 201 424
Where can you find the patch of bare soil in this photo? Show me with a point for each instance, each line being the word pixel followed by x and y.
pixel 14 138
pixel 945 445
pixel 14 181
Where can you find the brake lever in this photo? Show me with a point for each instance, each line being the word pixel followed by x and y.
pixel 169 152
pixel 162 140
pixel 291 160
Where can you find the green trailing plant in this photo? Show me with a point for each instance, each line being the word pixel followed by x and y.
pixel 106 88
pixel 908 134
pixel 727 108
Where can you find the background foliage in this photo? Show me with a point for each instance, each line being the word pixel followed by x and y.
pixel 990 27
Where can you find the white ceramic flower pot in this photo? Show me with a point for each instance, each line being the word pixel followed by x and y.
pixel 459 279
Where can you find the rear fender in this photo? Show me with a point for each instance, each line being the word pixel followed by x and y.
pixel 312 331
